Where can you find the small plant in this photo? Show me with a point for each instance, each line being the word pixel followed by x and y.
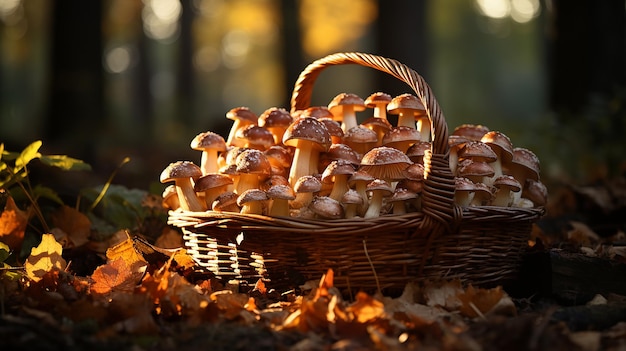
pixel 14 175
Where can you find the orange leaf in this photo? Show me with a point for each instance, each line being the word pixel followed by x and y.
pixel 126 251
pixel 74 223
pixel 366 308
pixel 114 276
pixel 476 301
pixel 13 223
pixel 44 258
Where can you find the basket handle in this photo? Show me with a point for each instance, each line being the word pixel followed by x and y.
pixel 438 192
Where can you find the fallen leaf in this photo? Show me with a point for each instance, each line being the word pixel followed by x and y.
pixel 74 223
pixel 13 222
pixel 169 239
pixel 477 302
pixel 366 308
pixel 116 275
pixel 44 258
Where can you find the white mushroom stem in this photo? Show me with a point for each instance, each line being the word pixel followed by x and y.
pixel 423 126
pixel 376 204
pixel 350 210
pixel 340 186
pixel 503 197
pixel 252 207
pixel 208 162
pixel 212 194
pixel 189 201
pixel 246 181
pixel 406 118
pixel 300 165
pixel 279 207
pixel 399 207
pixel 361 188
pixel 302 200
pixel 232 140
pixel 463 198
pixel 349 118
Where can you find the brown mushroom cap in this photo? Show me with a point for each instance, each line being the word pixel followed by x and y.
pixel 308 129
pixel 325 207
pixel 477 151
pixel 241 116
pixel 360 139
pixel 471 131
pixel 507 182
pixel 275 117
pixel 278 156
pixel 181 173
pixel 378 99
pixel 208 140
pixel 482 194
pixel 385 163
pixel 401 138
pixel 226 202
pixel 536 192
pixel 170 198
pixel 463 191
pixel 339 152
pixel 505 186
pixel 307 184
pixel 316 112
pixel 210 181
pixel 255 137
pixel 500 144
pixel 334 129
pixel 525 164
pixel 408 108
pixel 337 104
pixel 416 151
pixel 253 161
pixel 180 169
pixel 251 201
pixel 281 191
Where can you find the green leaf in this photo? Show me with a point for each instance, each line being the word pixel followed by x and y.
pixel 65 163
pixel 40 191
pixel 28 154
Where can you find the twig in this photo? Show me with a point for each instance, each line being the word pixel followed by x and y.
pixel 372 265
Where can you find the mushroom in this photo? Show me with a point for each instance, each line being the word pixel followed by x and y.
pixel 338 173
pixel 305 188
pixel 274 180
pixel 351 201
pixel 524 165
pixel 378 101
pixel 455 142
pixel 211 144
pixel 212 185
pixel 379 189
pixel 399 199
pixel 252 166
pixel 182 173
pixel 501 146
pixel 359 180
pixel 251 201
pixel 309 137
pixel 535 191
pixel 318 112
pixel 416 151
pixel 280 159
pixel 226 202
pixel 379 125
pixel 385 163
pixel 476 171
pixel 255 137
pixel 360 139
pixel 327 208
pixel 334 129
pixel 280 195
pixel 478 151
pixel 401 138
pixel 170 198
pixel 338 152
pixel 276 121
pixel 482 195
pixel 241 116
pixel 505 186
pixel 410 111
pixel 463 191
pixel 344 107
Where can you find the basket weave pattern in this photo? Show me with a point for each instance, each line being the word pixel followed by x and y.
pixel 482 245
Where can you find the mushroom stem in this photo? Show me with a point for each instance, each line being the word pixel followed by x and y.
pixel 376 204
pixel 503 197
pixel 279 207
pixel 301 161
pixel 247 181
pixel 208 162
pixel 423 126
pixel 252 207
pixel 406 118
pixel 349 118
pixel 189 201
pixel 340 186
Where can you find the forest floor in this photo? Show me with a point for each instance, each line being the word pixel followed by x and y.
pixel 77 291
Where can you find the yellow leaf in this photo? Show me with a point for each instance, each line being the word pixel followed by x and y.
pixel 126 251
pixel 44 258
pixel 13 223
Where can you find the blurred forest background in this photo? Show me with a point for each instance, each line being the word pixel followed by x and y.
pixel 102 80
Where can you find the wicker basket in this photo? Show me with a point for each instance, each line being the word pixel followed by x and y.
pixel 480 245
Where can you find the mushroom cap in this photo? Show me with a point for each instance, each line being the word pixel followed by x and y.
pixel 224 201
pixel 334 128
pixel 360 135
pixel 233 153
pixel 275 117
pixel 457 141
pixel 482 191
pixel 406 101
pixel 500 144
pixel 253 162
pixel 385 162
pixel 243 114
pixel 307 184
pixel 208 140
pixel 308 129
pixel 360 175
pixel 352 197
pixel 326 207
pixel 274 180
pixel 470 168
pixel 376 123
pixel 281 191
pixel 251 195
pixel 401 134
pixel 340 152
pixel 414 172
pixel 380 184
pixel 211 181
pixel 417 150
pixel 463 184
pixel 317 112
pixel 377 98
pixel 256 137
pixel 471 131
pixel 337 167
pixel 477 150
pixel 278 156
pixel 507 182
pixel 180 169
pixel 345 99
pixel 402 194
pixel 536 192
pixel 526 161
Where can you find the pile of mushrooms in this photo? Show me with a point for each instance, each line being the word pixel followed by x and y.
pixel 322 163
